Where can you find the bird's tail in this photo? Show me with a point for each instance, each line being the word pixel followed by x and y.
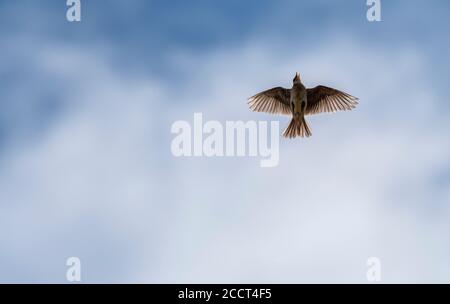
pixel 297 127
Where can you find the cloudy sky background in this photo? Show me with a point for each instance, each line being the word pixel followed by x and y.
pixel 86 168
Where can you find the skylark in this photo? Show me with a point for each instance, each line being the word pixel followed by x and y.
pixel 300 101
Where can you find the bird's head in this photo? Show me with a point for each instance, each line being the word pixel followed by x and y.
pixel 297 78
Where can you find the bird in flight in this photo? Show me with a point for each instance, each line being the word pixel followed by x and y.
pixel 300 101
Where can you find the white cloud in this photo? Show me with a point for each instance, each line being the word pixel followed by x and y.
pixel 102 182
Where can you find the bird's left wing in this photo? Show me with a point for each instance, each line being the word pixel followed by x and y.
pixel 324 99
pixel 273 101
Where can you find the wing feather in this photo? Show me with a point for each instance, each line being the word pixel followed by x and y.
pixel 273 101
pixel 324 99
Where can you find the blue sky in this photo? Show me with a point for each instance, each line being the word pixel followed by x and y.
pixel 86 168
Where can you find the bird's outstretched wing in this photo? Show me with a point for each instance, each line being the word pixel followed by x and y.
pixel 324 99
pixel 274 101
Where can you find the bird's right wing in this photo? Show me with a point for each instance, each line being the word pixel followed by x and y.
pixel 273 101
pixel 324 99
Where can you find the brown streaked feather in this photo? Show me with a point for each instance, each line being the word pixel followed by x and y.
pixel 324 99
pixel 273 101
